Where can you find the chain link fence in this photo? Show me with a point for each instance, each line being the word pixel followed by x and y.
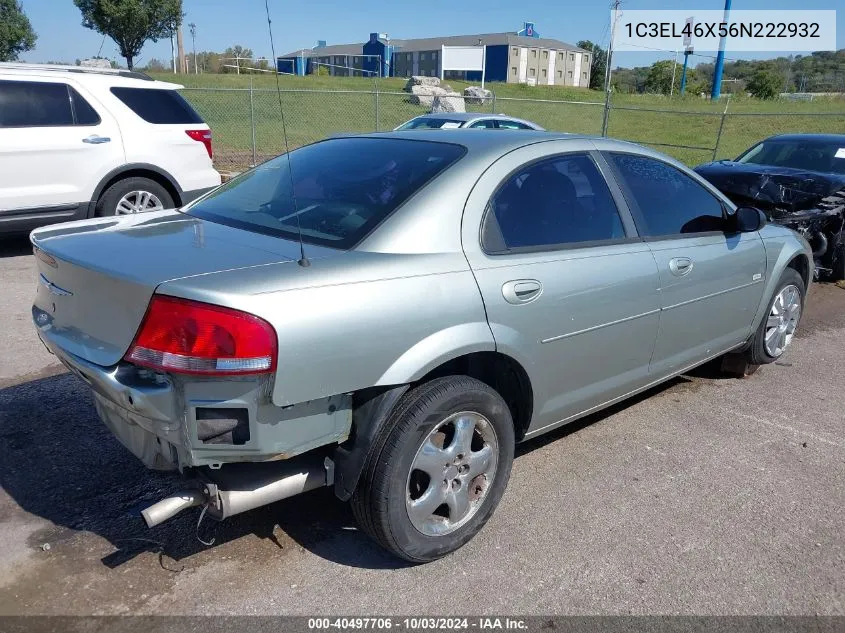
pixel 247 122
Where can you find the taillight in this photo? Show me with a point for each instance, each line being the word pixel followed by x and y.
pixel 189 337
pixel 204 137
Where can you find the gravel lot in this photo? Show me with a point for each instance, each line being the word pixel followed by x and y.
pixel 705 496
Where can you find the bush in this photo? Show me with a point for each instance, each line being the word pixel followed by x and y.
pixel 764 84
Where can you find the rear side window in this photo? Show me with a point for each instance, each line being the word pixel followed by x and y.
pixel 553 202
pixel 343 188
pixel 663 199
pixel 513 125
pixel 83 112
pixel 156 105
pixel 34 104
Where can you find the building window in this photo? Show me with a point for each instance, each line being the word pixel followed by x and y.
pixel 559 74
pixel 532 72
pixel 515 52
pixel 584 75
pixel 570 74
pixel 434 56
pixel 560 56
pixel 534 53
pixel 513 71
pixel 585 59
pixel 422 57
pixel 545 54
pixel 544 73
pixel 572 57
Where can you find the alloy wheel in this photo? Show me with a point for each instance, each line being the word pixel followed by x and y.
pixel 138 202
pixel 782 321
pixel 451 473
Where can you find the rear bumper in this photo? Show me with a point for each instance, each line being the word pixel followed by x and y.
pixel 176 422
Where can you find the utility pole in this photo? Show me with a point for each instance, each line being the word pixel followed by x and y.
pixel 193 29
pixel 674 66
pixel 172 52
pixel 607 70
pixel 716 91
pixel 180 48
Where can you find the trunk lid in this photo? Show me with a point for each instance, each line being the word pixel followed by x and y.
pixel 96 277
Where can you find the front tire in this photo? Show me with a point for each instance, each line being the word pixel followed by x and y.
pixel 438 470
pixel 134 195
pixel 781 320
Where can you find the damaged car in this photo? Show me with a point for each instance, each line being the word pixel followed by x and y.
pixel 389 314
pixel 798 180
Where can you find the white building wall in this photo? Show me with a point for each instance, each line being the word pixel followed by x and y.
pixel 551 77
pixel 523 64
pixel 576 71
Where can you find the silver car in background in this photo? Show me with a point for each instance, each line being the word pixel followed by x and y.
pixel 389 314
pixel 469 120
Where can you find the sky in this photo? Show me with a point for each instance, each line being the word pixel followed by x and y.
pixel 297 24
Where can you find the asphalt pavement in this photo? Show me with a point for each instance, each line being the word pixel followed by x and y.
pixel 706 496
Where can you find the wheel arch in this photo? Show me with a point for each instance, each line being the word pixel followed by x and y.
pixel 138 170
pixel 373 406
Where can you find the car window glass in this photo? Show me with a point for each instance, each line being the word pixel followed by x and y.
pixel 85 113
pixel 664 200
pixel 156 105
pixel 807 154
pixel 486 124
pixel 343 188
pixel 562 200
pixel 506 124
pixel 34 104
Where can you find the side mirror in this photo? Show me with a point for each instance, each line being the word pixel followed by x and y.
pixel 749 219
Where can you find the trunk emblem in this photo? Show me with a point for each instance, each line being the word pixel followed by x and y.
pixel 47 259
pixel 53 288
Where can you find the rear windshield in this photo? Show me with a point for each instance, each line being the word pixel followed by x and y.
pixel 808 154
pixel 156 105
pixel 428 123
pixel 343 188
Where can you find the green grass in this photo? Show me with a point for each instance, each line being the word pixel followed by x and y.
pixel 313 112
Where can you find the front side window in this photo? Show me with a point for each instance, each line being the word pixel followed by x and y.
pixel 557 201
pixel 34 104
pixel 664 200
pixel 488 124
pixel 159 106
pixel 343 188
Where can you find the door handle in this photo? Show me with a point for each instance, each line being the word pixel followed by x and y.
pixel 521 290
pixel 680 266
pixel 96 140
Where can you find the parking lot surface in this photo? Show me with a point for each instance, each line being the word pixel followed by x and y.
pixel 707 495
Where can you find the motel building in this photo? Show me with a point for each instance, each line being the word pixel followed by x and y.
pixel 519 57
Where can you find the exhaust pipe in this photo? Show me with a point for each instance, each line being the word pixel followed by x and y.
pixel 240 487
pixel 169 507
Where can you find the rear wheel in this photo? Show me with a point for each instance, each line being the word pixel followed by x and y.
pixel 134 195
pixel 782 317
pixel 439 469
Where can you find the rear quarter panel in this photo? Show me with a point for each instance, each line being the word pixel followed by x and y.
pixel 358 320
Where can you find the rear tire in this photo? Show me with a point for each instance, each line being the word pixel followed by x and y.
pixel 459 430
pixel 134 195
pixel 777 329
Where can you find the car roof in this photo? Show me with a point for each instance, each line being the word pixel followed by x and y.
pixel 95 76
pixel 824 138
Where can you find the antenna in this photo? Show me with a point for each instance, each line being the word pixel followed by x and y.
pixel 303 260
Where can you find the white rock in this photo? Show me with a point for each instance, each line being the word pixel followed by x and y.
pixel 418 80
pixel 450 102
pixel 477 95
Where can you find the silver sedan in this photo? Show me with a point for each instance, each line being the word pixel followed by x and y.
pixel 470 120
pixel 390 314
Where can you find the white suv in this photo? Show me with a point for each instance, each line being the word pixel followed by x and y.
pixel 78 142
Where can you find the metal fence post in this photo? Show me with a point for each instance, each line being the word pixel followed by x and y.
pixel 493 103
pixel 721 126
pixel 375 85
pixel 252 119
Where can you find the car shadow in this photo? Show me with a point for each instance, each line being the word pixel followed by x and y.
pixel 60 463
pixel 15 246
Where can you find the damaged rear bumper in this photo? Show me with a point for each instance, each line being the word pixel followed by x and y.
pixel 176 422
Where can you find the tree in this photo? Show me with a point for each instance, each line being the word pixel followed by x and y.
pixel 155 66
pixel 238 56
pixel 765 84
pixel 16 34
pixel 130 23
pixel 659 78
pixel 598 63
